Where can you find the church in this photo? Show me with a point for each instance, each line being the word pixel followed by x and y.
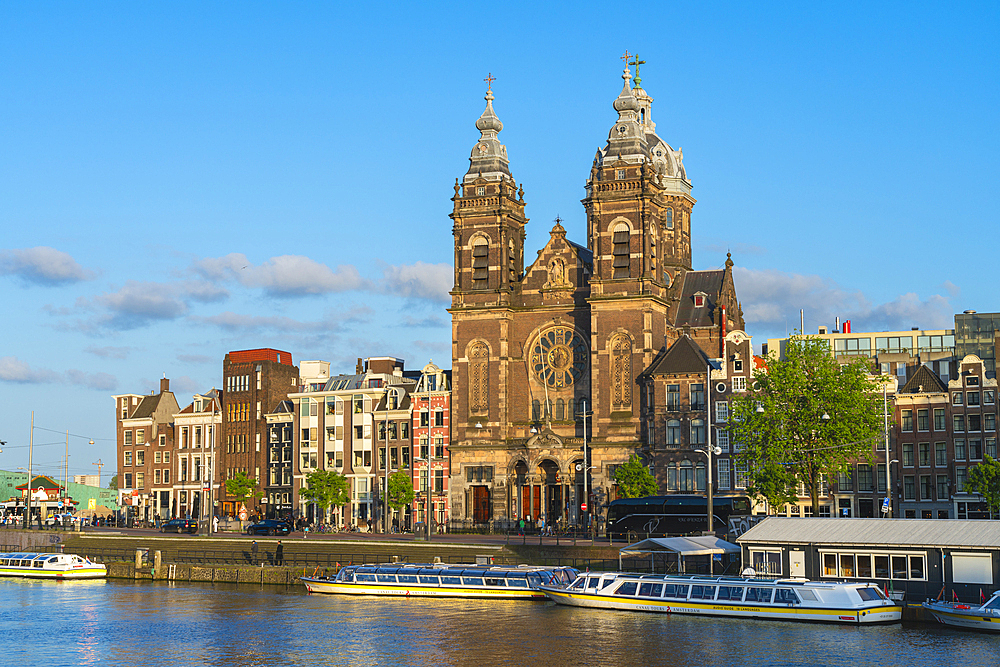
pixel 575 355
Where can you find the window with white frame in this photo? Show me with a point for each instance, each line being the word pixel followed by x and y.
pixel 722 466
pixel 721 411
pixel 766 561
pixel 739 383
pixel 873 565
pixel 722 439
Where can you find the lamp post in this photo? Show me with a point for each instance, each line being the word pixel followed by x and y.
pixel 888 486
pixel 586 466
pixel 31 447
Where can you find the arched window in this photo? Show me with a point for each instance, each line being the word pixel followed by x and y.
pixel 697 431
pixel 699 476
pixel 620 251
pixel 548 408
pixel 621 373
pixel 536 410
pixel 686 476
pixel 560 410
pixel 479 380
pixel 572 409
pixel 673 432
pixel 480 263
pixel 670 218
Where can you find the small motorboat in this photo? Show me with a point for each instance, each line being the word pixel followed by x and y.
pixel 958 615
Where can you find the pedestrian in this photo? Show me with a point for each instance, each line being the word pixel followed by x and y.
pixel 279 554
pixel 253 553
pixel 215 524
pixel 520 530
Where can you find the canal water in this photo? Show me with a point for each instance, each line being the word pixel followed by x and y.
pixel 151 624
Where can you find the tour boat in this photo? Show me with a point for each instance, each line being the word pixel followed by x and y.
pixel 958 615
pixel 782 599
pixel 442 580
pixel 50 566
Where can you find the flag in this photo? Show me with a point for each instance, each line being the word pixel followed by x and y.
pixel 982 597
pixel 955 595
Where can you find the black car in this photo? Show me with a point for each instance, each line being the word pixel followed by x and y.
pixel 180 526
pixel 268 527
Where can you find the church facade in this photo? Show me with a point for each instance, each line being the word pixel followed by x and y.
pixel 556 354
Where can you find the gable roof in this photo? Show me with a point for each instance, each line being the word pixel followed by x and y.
pixel 709 282
pixel 924 381
pixel 684 356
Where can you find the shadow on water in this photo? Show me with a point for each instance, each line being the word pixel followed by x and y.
pixel 151 624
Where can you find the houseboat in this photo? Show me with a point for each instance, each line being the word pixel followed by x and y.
pixel 740 597
pixel 957 615
pixel 442 580
pixel 50 566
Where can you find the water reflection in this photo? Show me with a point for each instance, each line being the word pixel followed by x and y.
pixel 200 624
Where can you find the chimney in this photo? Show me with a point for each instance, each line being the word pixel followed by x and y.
pixel 847 326
pixel 359 369
pixel 164 385
pixel 836 328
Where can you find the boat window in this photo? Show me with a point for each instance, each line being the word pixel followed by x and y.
pixel 994 603
pixel 386 578
pixel 54 559
pixel 592 583
pixel 650 590
pixel 580 583
pixel 429 580
pixel 703 592
pixel 516 575
pixel 869 594
pixel 3 561
pixel 807 594
pixel 455 581
pixel 494 581
pixel 472 581
pixel 730 593
pixel 38 563
pixel 675 591
pixel 534 580
pixel 365 577
pixel 916 567
pixel 407 578
pixel 758 594
pixel 785 596
pixel 517 583
pixel 881 567
pixel 627 588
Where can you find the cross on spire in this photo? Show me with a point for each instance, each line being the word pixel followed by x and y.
pixel 637 62
pixel 489 82
pixel 625 58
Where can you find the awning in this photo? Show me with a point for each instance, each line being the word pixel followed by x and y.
pixel 685 546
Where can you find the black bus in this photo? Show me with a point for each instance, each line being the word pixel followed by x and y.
pixel 662 516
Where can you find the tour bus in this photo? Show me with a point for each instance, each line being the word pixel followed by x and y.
pixel 662 516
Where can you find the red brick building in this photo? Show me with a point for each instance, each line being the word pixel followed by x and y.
pixel 431 410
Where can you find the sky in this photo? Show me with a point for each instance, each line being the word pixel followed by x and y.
pixel 178 180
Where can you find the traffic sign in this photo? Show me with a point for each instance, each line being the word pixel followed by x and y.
pixel 885 505
pixel 583 507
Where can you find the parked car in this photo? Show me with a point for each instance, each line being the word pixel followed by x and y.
pixel 268 527
pixel 180 526
pixel 63 520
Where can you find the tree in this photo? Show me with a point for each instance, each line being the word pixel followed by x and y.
pixel 400 490
pixel 806 414
pixel 326 488
pixel 241 486
pixel 984 479
pixel 113 483
pixel 634 479
pixel 774 483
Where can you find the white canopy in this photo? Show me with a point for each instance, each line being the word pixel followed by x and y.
pixel 702 545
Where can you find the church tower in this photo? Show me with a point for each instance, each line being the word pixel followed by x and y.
pixel 638 205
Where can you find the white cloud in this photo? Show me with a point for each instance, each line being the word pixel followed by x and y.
pixel 108 352
pixel 771 301
pixel 231 321
pixel 139 303
pixel 283 276
pixel 420 280
pixel 43 266
pixel 13 369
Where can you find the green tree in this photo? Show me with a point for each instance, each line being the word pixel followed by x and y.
pixel 326 488
pixel 807 414
pixel 400 490
pixel 984 479
pixel 113 483
pixel 635 480
pixel 241 486
pixel 774 483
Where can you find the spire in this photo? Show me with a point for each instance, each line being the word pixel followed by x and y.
pixel 489 156
pixel 626 101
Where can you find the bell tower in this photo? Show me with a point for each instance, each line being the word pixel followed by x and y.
pixel 488 215
pixel 638 203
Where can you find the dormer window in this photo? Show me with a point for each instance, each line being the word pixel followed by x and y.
pixel 699 299
pixel 480 190
pixel 620 174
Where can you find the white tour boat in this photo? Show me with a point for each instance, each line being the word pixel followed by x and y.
pixel 50 566
pixel 783 599
pixel 958 615
pixel 442 580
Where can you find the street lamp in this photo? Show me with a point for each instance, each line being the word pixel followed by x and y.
pixel 708 450
pixel 586 464
pixel 888 488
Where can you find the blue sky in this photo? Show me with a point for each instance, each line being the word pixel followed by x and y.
pixel 178 180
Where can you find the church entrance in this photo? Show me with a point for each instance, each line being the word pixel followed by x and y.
pixel 553 491
pixel 480 504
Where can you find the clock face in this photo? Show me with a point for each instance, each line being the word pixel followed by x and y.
pixel 559 357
